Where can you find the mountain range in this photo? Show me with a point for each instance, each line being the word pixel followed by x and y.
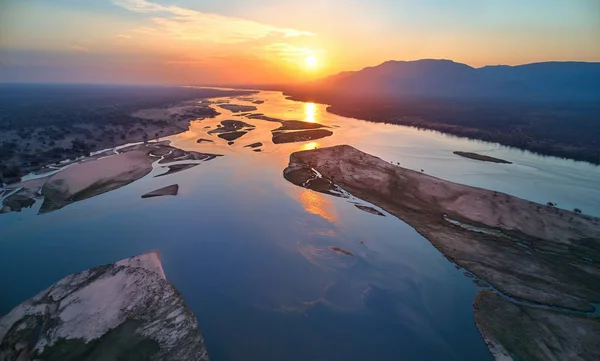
pixel 449 79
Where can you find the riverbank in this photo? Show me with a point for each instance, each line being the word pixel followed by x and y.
pixel 67 127
pixel 538 127
pixel 525 250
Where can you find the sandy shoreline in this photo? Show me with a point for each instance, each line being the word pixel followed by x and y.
pixel 99 174
pixel 528 251
pixel 48 145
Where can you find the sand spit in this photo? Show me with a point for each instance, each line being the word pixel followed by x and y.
pixel 171 190
pixel 264 117
pixel 525 250
pixel 300 135
pixel 122 311
pixel 341 251
pixel 236 108
pixel 176 168
pixel 96 175
pixel 178 155
pixel 254 145
pixel 88 179
pixel 481 157
pixel 369 210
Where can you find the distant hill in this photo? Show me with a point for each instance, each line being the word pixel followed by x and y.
pixel 446 78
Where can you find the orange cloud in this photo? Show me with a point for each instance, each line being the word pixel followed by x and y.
pixel 181 23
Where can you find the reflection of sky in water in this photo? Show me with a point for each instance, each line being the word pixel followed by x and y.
pixel 251 253
pixel 317 203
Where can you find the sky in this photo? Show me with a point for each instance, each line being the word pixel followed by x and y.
pixel 268 41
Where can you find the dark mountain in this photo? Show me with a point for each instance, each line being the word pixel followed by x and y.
pixel 445 78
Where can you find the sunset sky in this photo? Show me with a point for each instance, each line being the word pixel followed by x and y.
pixel 269 41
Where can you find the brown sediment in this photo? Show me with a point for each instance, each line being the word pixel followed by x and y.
pixel 17 202
pixel 175 168
pixel 254 145
pixel 236 108
pixel 264 117
pixel 300 135
pixel 231 136
pixel 298 125
pixel 341 251
pixel 232 129
pixel 369 210
pixel 292 131
pixel 481 157
pixel 171 190
pixel 177 155
pixel 306 177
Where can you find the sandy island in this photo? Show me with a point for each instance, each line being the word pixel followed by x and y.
pixel 99 174
pixel 171 190
pixel 481 157
pixel 294 130
pixel 525 250
pixel 235 108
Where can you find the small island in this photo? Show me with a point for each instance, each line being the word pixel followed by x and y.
pixel 236 108
pixel 481 157
pixel 171 190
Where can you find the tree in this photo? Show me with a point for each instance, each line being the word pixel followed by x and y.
pixel 577 210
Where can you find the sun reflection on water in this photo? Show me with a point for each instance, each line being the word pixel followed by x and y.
pixel 310 110
pixel 316 203
pixel 309 146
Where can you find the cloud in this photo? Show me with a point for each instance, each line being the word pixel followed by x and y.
pixel 79 48
pixel 188 24
pixel 124 36
pixel 290 52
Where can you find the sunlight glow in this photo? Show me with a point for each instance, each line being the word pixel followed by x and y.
pixel 310 110
pixel 309 146
pixel 316 203
pixel 311 61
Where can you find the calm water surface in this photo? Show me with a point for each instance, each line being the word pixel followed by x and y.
pixel 250 251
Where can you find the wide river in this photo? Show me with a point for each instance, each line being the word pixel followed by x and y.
pixel 251 254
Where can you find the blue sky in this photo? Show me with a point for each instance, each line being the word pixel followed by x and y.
pixel 266 40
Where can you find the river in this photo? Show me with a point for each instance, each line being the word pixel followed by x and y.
pixel 251 253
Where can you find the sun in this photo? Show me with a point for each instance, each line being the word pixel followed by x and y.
pixel 311 61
